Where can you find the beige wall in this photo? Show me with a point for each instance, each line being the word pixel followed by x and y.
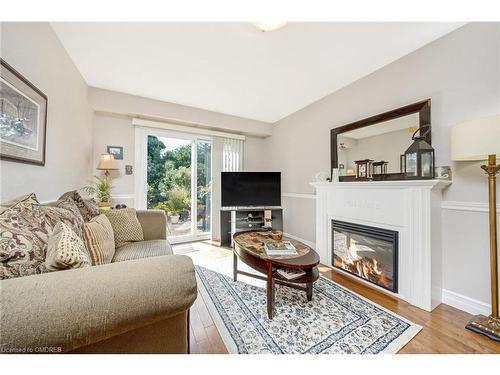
pixel 254 154
pixel 131 105
pixel 114 127
pixel 35 51
pixel 461 74
pixel 115 130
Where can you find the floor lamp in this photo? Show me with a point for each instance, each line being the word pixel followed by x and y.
pixel 480 140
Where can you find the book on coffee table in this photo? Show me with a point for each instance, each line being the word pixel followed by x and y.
pixel 278 248
pixel 290 274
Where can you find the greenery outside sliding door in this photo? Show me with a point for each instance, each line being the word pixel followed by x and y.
pixel 204 186
pixel 179 182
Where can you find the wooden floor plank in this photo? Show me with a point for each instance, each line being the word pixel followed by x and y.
pixel 205 317
pixel 216 340
pixel 443 328
pixel 199 332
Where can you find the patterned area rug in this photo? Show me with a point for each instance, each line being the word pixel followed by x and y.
pixel 336 321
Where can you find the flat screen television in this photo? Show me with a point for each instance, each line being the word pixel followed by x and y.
pixel 245 189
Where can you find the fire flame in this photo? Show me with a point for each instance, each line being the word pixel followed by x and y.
pixel 367 268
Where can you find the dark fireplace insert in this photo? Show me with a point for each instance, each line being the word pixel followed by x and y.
pixel 367 252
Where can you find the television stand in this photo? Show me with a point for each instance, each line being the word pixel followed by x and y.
pixel 237 219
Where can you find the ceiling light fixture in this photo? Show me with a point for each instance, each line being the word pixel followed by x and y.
pixel 269 26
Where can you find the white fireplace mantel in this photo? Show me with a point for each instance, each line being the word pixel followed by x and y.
pixel 412 208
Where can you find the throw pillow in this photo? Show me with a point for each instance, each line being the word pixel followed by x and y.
pixel 99 239
pixel 24 199
pixel 65 211
pixel 88 206
pixel 126 226
pixel 23 239
pixel 65 249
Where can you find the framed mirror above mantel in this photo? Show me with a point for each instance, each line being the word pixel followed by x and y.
pixel 381 140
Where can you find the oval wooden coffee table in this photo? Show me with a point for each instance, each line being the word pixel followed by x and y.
pixel 248 246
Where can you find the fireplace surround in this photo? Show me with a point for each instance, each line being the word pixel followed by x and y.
pixel 412 208
pixel 367 252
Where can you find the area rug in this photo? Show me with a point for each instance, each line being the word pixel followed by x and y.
pixel 336 321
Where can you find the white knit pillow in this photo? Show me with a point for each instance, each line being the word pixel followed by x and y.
pixel 65 249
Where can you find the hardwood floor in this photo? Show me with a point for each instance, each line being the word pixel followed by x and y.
pixel 443 329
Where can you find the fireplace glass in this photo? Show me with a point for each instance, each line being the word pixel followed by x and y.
pixel 366 252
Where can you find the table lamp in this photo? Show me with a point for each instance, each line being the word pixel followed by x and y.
pixel 107 163
pixel 472 141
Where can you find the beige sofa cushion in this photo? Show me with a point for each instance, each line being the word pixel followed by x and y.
pixel 143 249
pixel 65 249
pixel 99 239
pixel 126 226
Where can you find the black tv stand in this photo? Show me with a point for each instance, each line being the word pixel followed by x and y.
pixel 237 219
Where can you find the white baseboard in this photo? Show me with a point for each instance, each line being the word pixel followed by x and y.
pixel 464 303
pixel 308 243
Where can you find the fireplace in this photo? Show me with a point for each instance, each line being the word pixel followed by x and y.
pixel 367 252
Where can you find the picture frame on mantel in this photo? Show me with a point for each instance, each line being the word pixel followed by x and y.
pixel 23 118
pixel 422 108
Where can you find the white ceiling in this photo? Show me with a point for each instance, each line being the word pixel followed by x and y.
pixel 234 68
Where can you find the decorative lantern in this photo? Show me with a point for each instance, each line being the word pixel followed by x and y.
pixel 419 158
pixel 380 168
pixel 364 168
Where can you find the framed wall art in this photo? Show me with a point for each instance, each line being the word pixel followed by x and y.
pixel 116 151
pixel 23 118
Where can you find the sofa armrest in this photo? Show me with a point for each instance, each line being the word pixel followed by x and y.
pixel 75 308
pixel 154 224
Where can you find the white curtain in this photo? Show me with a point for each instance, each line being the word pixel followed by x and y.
pixel 227 156
pixel 232 155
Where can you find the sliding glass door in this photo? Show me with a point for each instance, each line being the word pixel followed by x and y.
pixel 179 182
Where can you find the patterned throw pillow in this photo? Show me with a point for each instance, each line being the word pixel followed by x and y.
pixel 23 239
pixel 25 199
pixel 88 206
pixel 99 239
pixel 65 249
pixel 126 226
pixel 65 211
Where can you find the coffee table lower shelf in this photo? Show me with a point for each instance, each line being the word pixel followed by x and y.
pixel 303 283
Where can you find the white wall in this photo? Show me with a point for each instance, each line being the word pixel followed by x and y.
pixel 35 51
pixel 460 72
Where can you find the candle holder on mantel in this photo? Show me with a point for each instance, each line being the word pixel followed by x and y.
pixel 364 169
pixel 380 168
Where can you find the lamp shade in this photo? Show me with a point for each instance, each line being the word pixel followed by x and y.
pixel 475 140
pixel 107 162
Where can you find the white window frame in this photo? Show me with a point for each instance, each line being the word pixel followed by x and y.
pixel 140 181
